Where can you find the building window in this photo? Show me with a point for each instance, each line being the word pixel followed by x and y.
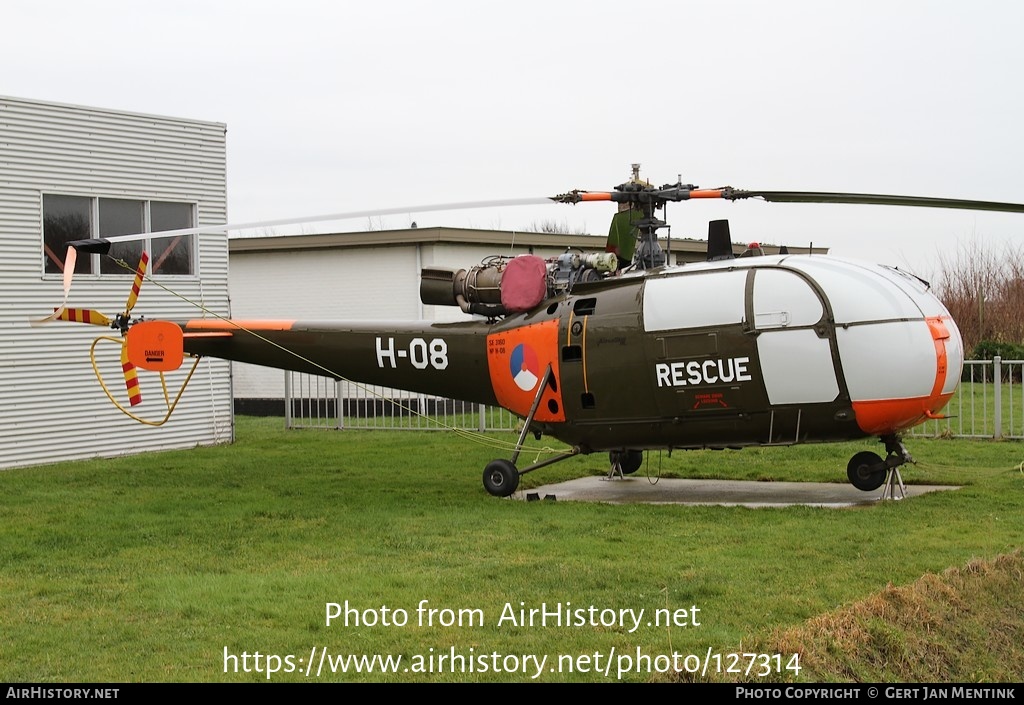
pixel 175 254
pixel 67 218
pixel 120 216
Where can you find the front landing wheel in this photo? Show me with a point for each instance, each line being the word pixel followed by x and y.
pixel 501 478
pixel 866 471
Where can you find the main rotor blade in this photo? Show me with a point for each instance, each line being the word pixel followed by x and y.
pixel 872 199
pixel 688 192
pixel 102 245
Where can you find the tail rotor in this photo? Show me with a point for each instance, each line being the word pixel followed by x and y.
pixel 120 323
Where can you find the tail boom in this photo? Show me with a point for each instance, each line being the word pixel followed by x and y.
pixel 443 359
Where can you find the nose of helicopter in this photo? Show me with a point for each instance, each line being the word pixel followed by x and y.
pixel 900 352
pixel 940 358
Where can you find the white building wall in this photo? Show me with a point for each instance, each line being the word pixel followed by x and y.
pixel 378 282
pixel 51 406
pixel 337 284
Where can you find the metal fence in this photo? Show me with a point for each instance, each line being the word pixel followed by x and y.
pixel 989 403
pixel 322 402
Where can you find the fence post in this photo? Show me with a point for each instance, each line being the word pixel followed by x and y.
pixel 287 399
pixel 337 405
pixel 997 397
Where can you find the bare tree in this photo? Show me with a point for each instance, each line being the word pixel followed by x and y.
pixel 555 227
pixel 984 292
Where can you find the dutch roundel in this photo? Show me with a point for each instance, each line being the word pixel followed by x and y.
pixel 525 367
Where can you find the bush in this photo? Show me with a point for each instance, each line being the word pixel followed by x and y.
pixel 988 349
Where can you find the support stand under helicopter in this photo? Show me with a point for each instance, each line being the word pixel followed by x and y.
pixel 868 471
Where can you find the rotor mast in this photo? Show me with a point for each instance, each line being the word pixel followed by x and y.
pixel 640 197
pixel 637 195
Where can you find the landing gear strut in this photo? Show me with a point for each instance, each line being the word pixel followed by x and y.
pixel 501 478
pixel 867 471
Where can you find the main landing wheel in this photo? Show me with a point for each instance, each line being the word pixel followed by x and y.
pixel 629 460
pixel 501 478
pixel 866 471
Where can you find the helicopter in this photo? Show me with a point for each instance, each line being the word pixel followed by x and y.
pixel 620 352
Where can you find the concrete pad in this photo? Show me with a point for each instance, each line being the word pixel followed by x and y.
pixel 640 489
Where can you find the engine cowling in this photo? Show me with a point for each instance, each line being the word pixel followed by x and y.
pixel 501 285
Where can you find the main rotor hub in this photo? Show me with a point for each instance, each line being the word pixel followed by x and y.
pixel 643 200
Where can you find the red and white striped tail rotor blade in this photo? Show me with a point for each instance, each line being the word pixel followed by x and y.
pixel 131 378
pixel 81 315
pixel 140 274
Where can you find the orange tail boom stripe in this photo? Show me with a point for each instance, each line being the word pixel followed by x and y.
pixel 212 324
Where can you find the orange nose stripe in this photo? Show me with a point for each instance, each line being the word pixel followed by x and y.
pixel 885 416
pixel 940 334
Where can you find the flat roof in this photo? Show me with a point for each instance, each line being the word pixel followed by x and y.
pixel 462 236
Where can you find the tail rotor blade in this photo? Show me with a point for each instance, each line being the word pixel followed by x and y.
pixel 92 316
pixel 140 274
pixel 82 315
pixel 131 378
pixel 70 262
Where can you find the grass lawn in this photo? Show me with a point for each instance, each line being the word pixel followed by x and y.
pixel 174 566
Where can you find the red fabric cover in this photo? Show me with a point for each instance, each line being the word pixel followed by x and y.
pixel 523 283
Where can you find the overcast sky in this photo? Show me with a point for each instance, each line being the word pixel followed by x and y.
pixel 338 106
